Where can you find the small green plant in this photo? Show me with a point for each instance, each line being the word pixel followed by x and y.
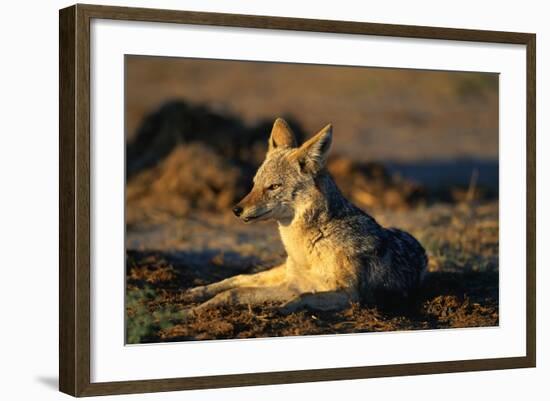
pixel 142 319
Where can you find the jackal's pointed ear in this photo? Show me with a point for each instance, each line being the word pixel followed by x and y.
pixel 281 136
pixel 312 155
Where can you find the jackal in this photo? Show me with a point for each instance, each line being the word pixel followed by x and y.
pixel 336 253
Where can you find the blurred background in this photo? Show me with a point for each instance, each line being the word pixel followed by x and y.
pixel 437 129
pixel 379 114
pixel 417 149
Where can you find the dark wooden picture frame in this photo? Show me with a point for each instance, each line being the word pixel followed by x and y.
pixel 74 203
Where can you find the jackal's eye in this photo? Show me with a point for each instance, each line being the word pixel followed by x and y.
pixel 273 187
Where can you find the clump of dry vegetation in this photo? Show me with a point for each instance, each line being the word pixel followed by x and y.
pixel 369 185
pixel 191 177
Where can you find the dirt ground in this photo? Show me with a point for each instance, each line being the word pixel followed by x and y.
pixel 165 258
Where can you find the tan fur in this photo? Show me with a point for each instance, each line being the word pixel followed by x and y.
pixel 335 252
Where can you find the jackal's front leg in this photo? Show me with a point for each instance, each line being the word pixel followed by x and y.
pixel 246 296
pixel 268 278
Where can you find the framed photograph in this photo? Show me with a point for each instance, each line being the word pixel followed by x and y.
pixel 250 200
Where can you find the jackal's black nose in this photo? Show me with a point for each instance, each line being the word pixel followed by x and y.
pixel 237 210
